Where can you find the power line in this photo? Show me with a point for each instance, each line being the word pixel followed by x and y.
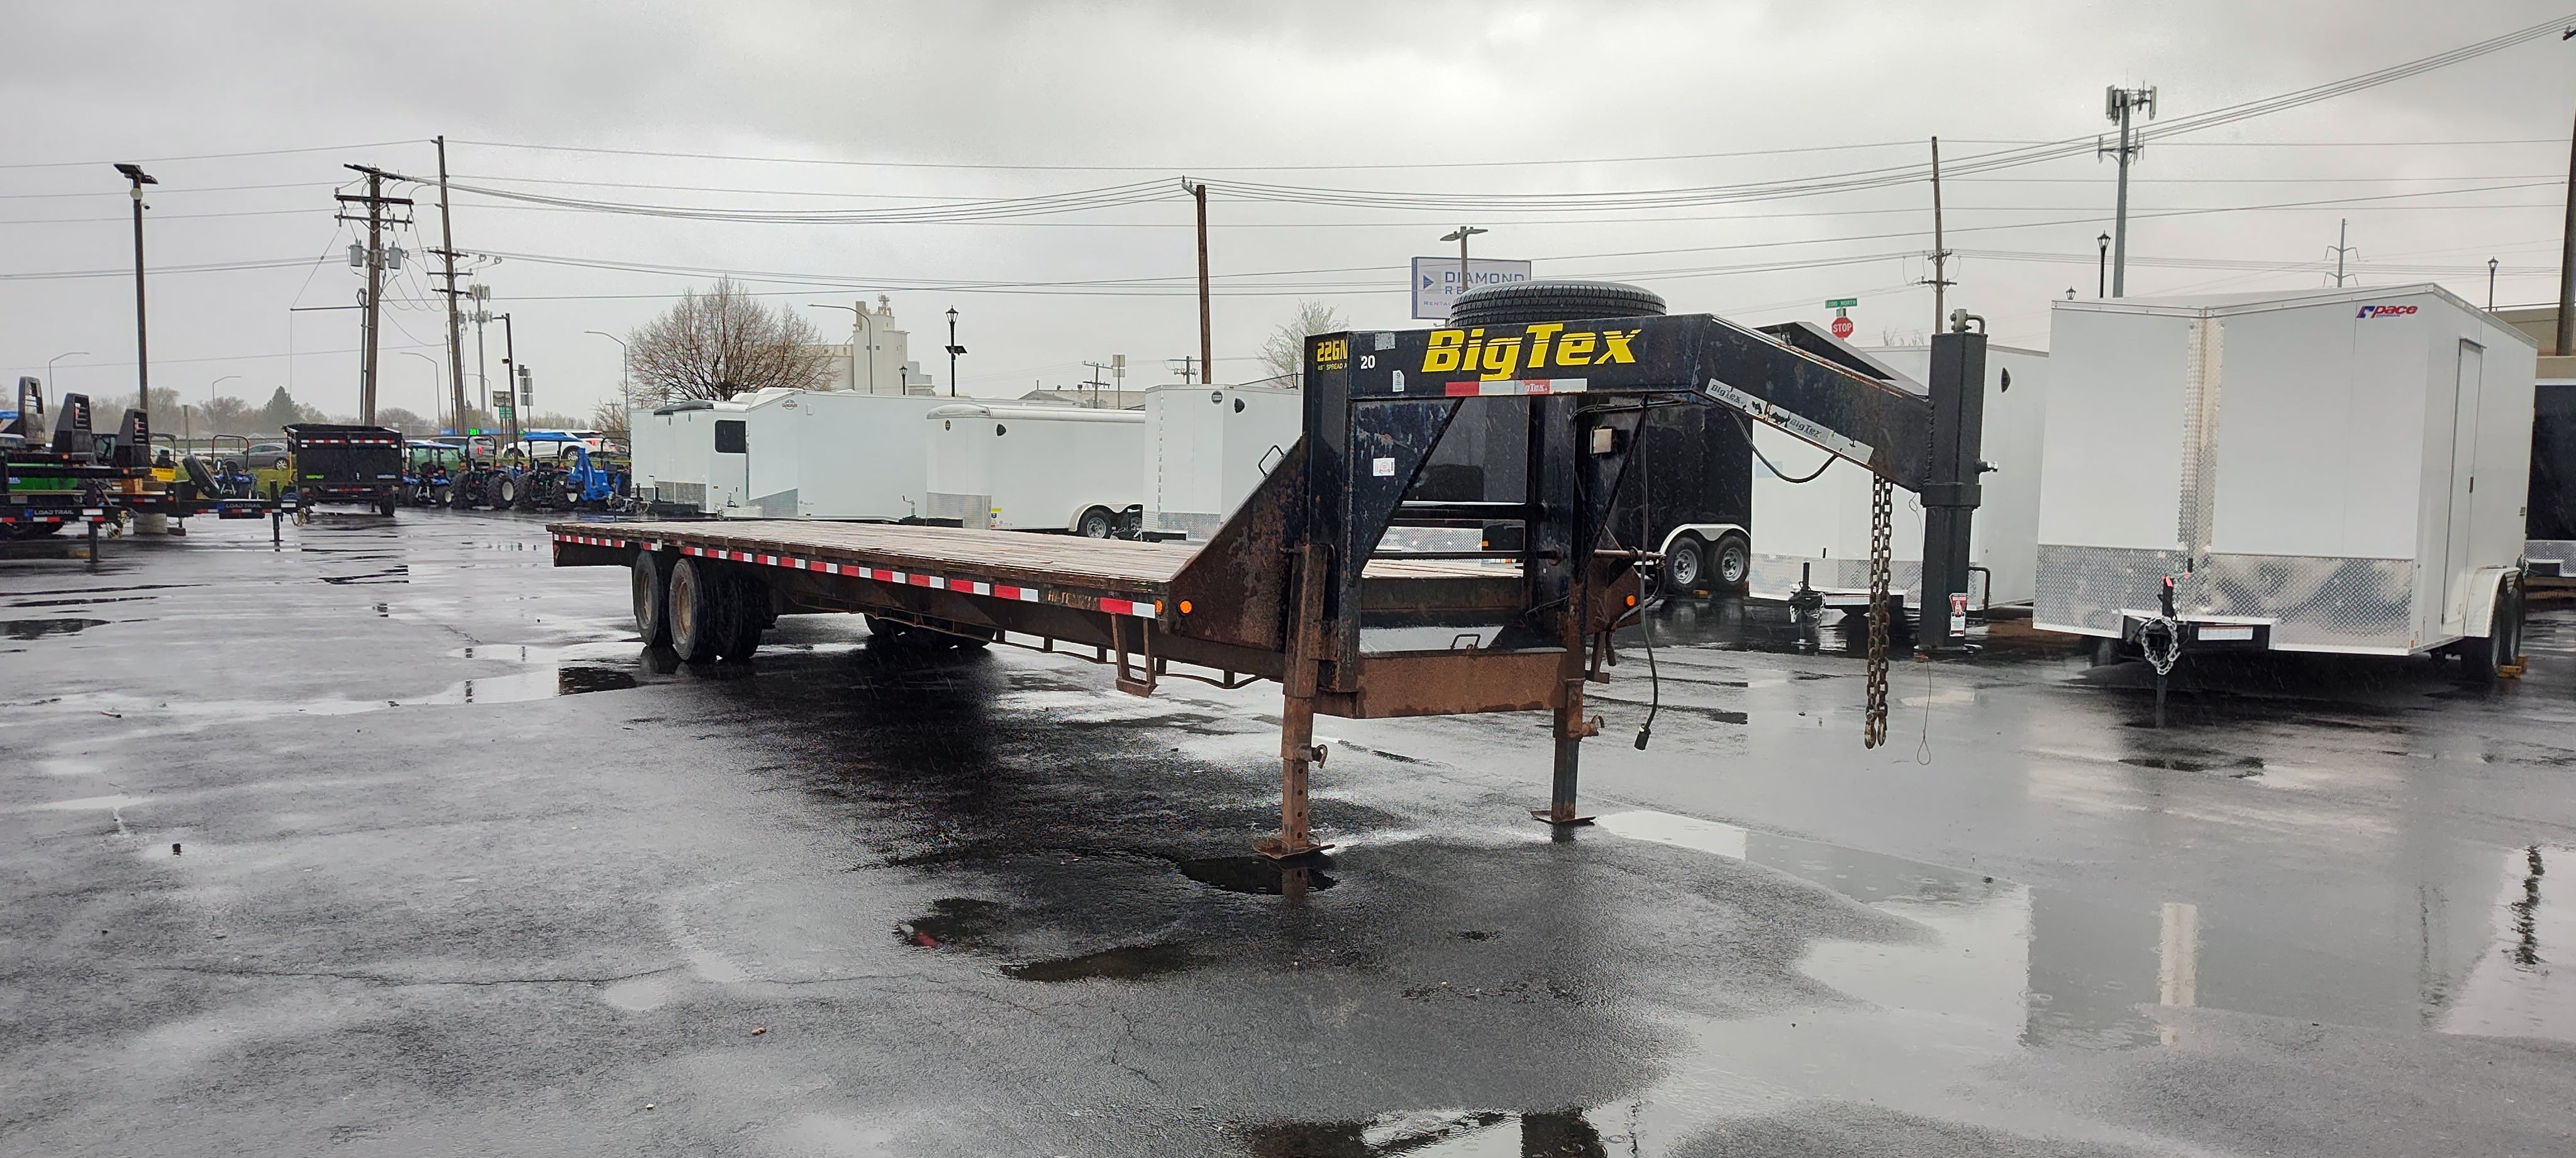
pixel 1175 168
pixel 217 156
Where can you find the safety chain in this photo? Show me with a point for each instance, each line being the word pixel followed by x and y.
pixel 1882 515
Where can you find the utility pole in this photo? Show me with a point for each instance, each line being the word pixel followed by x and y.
pixel 369 342
pixel 1940 254
pixel 1095 383
pixel 482 295
pixel 2566 336
pixel 1207 332
pixel 2119 104
pixel 2343 229
pixel 142 346
pixel 455 338
pixel 1186 366
pixel 1460 235
pixel 509 411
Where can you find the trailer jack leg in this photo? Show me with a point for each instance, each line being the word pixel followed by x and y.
pixel 93 544
pixel 1571 728
pixel 1297 753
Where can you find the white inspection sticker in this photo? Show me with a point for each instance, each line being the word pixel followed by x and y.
pixel 1399 381
pixel 2211 632
pixel 1382 467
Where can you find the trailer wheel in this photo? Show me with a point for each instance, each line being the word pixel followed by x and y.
pixel 695 622
pixel 2481 660
pixel 1730 562
pixel 1097 523
pixel 742 613
pixel 1685 563
pixel 651 577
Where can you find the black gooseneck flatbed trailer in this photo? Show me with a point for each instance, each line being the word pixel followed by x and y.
pixel 1296 588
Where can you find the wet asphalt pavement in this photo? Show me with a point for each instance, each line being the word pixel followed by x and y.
pixel 394 842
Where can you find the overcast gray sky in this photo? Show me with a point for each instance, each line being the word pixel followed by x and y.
pixel 920 103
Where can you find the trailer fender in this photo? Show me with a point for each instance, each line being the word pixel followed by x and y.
pixel 2483 586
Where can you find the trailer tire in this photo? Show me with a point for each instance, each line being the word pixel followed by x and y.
pixel 742 613
pixel 1686 563
pixel 1554 300
pixel 2482 660
pixel 651 580
pixel 696 622
pixel 1096 523
pixel 886 632
pixel 1730 562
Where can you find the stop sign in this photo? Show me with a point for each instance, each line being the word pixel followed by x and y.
pixel 1842 327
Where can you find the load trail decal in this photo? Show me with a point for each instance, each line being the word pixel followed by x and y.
pixel 1142 609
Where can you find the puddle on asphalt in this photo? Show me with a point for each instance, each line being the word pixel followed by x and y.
pixel 2239 767
pixel 952 923
pixel 1125 963
pixel 84 804
pixel 80 602
pixel 1256 875
pixel 39 628
pixel 2056 967
pixel 1440 1134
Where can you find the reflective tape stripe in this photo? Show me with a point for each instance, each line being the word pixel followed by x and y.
pixel 983 587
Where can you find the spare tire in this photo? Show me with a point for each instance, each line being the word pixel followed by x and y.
pixel 1517 302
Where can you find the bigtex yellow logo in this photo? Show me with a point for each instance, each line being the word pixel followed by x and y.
pixel 1470 351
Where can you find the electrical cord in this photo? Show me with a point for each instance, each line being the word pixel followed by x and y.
pixel 1782 475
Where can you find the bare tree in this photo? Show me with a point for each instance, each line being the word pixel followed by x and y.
pixel 724 342
pixel 609 417
pixel 1284 354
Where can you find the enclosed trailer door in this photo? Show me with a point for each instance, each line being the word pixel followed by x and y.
pixel 2467 384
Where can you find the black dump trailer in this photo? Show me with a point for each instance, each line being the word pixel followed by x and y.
pixel 332 463
pixel 2550 519
pixel 1691 495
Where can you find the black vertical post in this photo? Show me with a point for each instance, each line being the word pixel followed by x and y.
pixel 1950 494
pixel 1554 564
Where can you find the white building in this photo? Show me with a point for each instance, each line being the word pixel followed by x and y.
pixel 878 357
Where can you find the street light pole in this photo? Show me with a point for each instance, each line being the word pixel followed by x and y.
pixel 142 347
pixel 50 384
pixel 2102 269
pixel 862 323
pixel 210 399
pixel 1460 235
pixel 953 350
pixel 433 383
pixel 625 367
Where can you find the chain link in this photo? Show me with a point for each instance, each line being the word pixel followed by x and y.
pixel 1882 517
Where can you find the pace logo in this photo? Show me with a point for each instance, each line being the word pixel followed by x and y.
pixel 2384 311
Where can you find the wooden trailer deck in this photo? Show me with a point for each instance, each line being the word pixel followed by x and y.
pixel 1110 575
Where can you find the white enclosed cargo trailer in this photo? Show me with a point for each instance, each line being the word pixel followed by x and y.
pixel 677 470
pixel 1207 447
pixel 2336 471
pixel 1036 468
pixel 787 454
pixel 1817 533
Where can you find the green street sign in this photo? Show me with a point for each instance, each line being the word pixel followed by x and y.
pixel 1842 303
